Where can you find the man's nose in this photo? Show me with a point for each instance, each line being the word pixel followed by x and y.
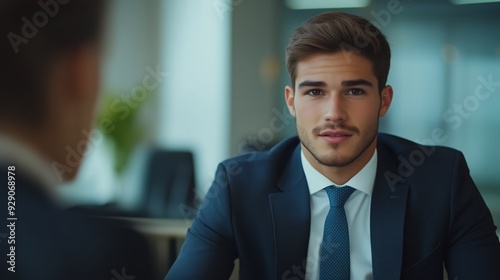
pixel 334 108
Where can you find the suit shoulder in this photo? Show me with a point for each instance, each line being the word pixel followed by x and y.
pixel 402 146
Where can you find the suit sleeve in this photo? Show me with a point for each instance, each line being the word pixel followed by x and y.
pixel 209 249
pixel 473 250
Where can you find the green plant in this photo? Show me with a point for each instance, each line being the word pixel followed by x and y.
pixel 123 130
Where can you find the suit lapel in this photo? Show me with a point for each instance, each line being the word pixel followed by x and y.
pixel 387 217
pixel 291 219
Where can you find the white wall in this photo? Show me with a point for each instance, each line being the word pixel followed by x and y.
pixel 194 99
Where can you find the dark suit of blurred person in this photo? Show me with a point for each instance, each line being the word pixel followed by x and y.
pixel 50 59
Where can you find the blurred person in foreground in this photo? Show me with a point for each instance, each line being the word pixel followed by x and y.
pixel 341 201
pixel 50 58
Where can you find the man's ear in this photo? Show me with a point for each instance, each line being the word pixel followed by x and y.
pixel 289 98
pixel 83 74
pixel 386 99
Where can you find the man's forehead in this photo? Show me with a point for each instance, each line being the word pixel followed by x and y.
pixel 338 64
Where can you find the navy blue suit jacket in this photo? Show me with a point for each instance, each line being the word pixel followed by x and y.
pixel 425 212
pixel 52 244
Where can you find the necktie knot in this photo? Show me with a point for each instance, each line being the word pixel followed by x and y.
pixel 338 195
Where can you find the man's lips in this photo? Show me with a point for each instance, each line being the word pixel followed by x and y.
pixel 335 133
pixel 335 136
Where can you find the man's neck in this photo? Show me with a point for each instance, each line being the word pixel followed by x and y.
pixel 340 175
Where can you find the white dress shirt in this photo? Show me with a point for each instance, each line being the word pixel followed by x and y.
pixel 26 159
pixel 357 209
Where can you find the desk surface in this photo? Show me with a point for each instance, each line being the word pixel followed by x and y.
pixel 175 228
pixel 170 228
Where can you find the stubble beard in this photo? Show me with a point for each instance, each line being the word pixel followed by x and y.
pixel 331 158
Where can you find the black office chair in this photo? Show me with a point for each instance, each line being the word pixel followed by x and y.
pixel 169 190
pixel 170 185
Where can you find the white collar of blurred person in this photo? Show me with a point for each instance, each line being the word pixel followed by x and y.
pixel 31 163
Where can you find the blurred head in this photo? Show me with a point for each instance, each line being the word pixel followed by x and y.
pixel 50 55
pixel 338 65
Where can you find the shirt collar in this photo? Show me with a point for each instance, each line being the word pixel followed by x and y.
pixel 30 162
pixel 362 181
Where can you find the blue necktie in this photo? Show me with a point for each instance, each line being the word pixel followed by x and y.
pixel 335 257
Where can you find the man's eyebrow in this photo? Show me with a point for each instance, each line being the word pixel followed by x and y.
pixel 312 84
pixel 360 82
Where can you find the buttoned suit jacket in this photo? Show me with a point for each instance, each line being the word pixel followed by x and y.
pixel 426 213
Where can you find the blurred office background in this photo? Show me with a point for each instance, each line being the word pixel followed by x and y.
pixel 207 77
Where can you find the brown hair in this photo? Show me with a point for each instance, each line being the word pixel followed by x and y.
pixel 33 34
pixel 332 32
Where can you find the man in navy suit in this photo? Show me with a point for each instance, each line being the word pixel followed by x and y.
pixel 413 209
pixel 50 56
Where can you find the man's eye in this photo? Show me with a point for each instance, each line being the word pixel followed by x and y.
pixel 314 92
pixel 356 91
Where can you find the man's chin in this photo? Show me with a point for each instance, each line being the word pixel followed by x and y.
pixel 332 156
pixel 334 162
